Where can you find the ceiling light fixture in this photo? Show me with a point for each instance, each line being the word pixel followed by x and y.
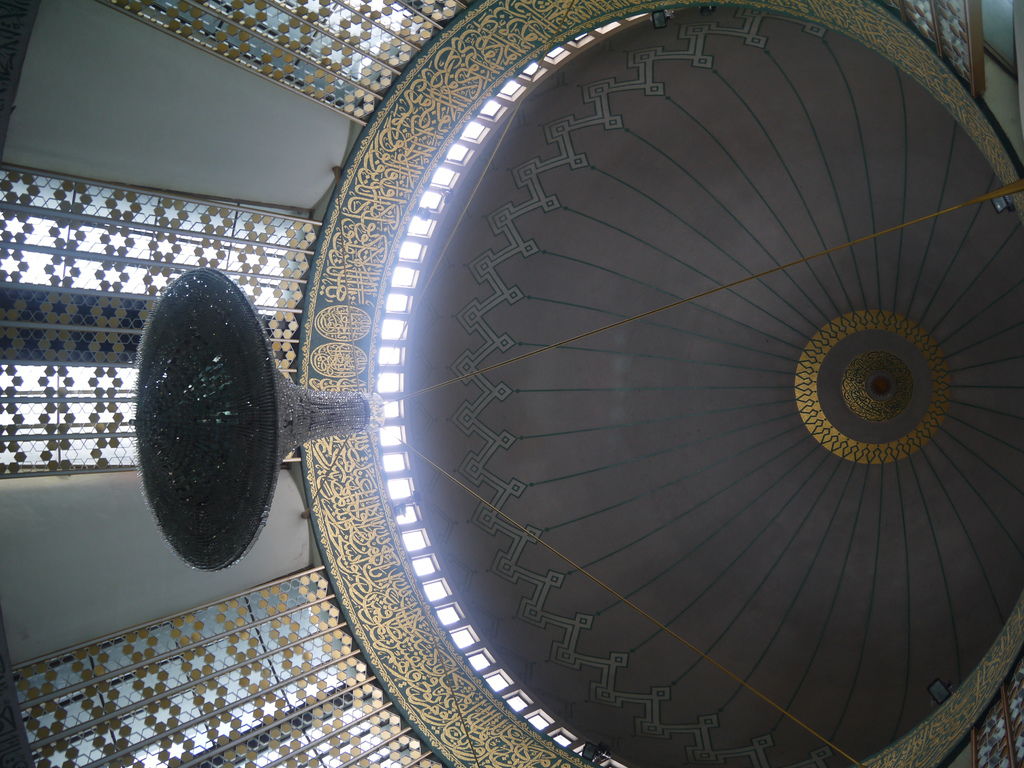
pixel 940 690
pixel 595 753
pixel 1003 203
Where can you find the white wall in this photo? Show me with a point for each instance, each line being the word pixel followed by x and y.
pixel 81 556
pixel 105 96
pixel 1018 32
pixel 1002 97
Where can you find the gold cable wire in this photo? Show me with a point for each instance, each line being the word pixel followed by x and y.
pixel 645 614
pixel 1009 189
pixel 462 718
pixel 569 6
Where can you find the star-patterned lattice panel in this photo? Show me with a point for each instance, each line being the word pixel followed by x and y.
pixel 266 678
pixel 62 418
pixel 81 264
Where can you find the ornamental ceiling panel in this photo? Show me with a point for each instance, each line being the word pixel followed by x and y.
pixel 812 476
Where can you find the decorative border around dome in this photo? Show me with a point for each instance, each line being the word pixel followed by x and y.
pixel 809 406
pixel 390 168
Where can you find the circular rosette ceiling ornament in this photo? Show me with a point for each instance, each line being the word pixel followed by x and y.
pixel 877 385
pixel 872 386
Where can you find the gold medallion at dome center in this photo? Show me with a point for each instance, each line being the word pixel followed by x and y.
pixel 878 381
pixel 877 385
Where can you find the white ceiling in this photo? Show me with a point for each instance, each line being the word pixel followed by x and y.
pixel 105 96
pixel 82 556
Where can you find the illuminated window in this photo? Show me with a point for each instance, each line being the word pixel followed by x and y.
pixel 443 177
pixel 405 277
pixel 411 251
pixel 424 566
pixel 391 436
pixel 391 355
pixel 556 54
pixel 458 153
pixel 421 227
pixel 518 701
pixel 395 462
pixel 432 199
pixel 540 720
pixel 400 488
pixel 463 637
pixel 474 131
pixel 398 302
pixel 491 109
pixel 480 660
pixel 563 737
pixel 394 409
pixel 449 614
pixel 393 329
pixel 513 89
pixel 407 515
pixel 436 590
pixel 390 382
pixel 498 680
pixel 416 540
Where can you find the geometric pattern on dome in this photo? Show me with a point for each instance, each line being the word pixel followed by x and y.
pixel 745 25
pixel 351 324
pixel 826 432
pixel 478 466
pixel 348 502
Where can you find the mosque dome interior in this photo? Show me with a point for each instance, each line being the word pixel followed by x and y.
pixel 677 466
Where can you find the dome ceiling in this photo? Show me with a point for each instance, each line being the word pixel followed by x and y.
pixel 814 477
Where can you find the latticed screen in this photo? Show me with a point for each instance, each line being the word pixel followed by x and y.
pixel 944 23
pixel 268 678
pixel 951 18
pixel 80 264
pixel 991 740
pixel 1015 709
pixel 997 740
pixel 60 416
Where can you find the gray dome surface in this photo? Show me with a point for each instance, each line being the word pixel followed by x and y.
pixel 668 456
